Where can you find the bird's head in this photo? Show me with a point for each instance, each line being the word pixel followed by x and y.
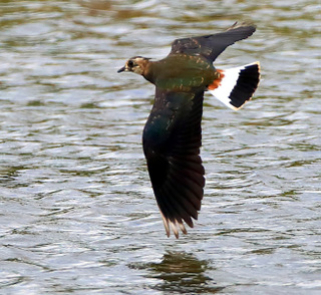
pixel 136 64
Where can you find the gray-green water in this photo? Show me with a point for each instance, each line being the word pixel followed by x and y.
pixel 78 215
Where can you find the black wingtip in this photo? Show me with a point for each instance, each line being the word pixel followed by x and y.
pixel 242 24
pixel 244 29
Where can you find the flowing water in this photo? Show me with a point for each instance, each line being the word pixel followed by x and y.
pixel 78 215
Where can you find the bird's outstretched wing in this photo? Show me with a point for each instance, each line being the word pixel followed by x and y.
pixel 172 140
pixel 211 46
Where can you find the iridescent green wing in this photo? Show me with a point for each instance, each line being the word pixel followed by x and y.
pixel 211 46
pixel 172 141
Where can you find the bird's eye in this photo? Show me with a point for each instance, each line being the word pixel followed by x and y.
pixel 130 63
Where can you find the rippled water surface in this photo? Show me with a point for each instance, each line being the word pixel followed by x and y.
pixel 78 215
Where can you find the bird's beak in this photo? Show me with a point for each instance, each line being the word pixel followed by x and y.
pixel 121 70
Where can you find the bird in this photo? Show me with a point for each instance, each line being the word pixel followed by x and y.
pixel 172 136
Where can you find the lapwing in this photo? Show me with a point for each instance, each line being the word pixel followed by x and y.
pixel 172 136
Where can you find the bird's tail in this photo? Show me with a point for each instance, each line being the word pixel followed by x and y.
pixel 236 86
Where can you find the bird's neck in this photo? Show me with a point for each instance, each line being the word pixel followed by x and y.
pixel 150 71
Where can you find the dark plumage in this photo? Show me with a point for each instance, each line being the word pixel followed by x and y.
pixel 172 135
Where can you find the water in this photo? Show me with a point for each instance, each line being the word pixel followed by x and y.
pixel 78 215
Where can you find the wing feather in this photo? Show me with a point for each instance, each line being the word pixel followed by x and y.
pixel 172 140
pixel 211 46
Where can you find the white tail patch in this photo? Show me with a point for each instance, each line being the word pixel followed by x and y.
pixel 236 86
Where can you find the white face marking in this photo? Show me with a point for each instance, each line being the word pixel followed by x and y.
pixel 135 65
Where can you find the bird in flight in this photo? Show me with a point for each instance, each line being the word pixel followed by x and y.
pixel 172 136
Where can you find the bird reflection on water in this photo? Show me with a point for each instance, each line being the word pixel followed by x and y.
pixel 181 272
